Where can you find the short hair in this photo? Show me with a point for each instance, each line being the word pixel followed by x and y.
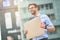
pixel 33 4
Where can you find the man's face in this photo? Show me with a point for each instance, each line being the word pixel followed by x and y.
pixel 33 9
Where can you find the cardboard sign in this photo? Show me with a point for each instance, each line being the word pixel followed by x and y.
pixel 33 27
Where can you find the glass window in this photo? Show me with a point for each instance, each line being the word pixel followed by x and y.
pixel 51 6
pixel 8 20
pixel 6 3
pixel 41 7
pixel 47 6
pixel 52 16
pixel 17 15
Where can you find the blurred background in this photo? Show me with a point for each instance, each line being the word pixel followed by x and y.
pixel 12 10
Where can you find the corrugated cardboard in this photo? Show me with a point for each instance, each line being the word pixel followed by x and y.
pixel 33 27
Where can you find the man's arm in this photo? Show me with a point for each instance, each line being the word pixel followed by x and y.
pixel 50 28
pixel 48 24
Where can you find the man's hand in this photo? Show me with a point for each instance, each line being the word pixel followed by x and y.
pixel 49 28
pixel 42 25
pixel 25 32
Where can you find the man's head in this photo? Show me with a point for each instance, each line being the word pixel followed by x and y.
pixel 33 8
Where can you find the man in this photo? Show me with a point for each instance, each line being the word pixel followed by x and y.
pixel 45 22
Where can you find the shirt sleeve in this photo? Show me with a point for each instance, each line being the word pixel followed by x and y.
pixel 48 21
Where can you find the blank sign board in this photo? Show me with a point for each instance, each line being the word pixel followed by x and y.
pixel 33 27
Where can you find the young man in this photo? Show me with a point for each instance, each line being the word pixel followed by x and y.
pixel 45 22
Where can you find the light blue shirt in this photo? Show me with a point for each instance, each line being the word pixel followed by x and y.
pixel 45 19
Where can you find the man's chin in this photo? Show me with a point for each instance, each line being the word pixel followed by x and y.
pixel 32 13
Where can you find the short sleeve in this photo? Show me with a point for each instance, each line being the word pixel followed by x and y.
pixel 48 21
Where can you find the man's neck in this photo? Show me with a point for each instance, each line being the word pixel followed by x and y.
pixel 36 13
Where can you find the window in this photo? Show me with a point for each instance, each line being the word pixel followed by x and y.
pixel 6 3
pixel 17 15
pixel 52 16
pixel 51 6
pixel 47 6
pixel 41 7
pixel 8 20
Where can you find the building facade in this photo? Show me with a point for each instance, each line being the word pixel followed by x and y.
pixel 9 20
pixel 48 7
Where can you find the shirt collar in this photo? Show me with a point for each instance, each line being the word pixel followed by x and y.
pixel 39 14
